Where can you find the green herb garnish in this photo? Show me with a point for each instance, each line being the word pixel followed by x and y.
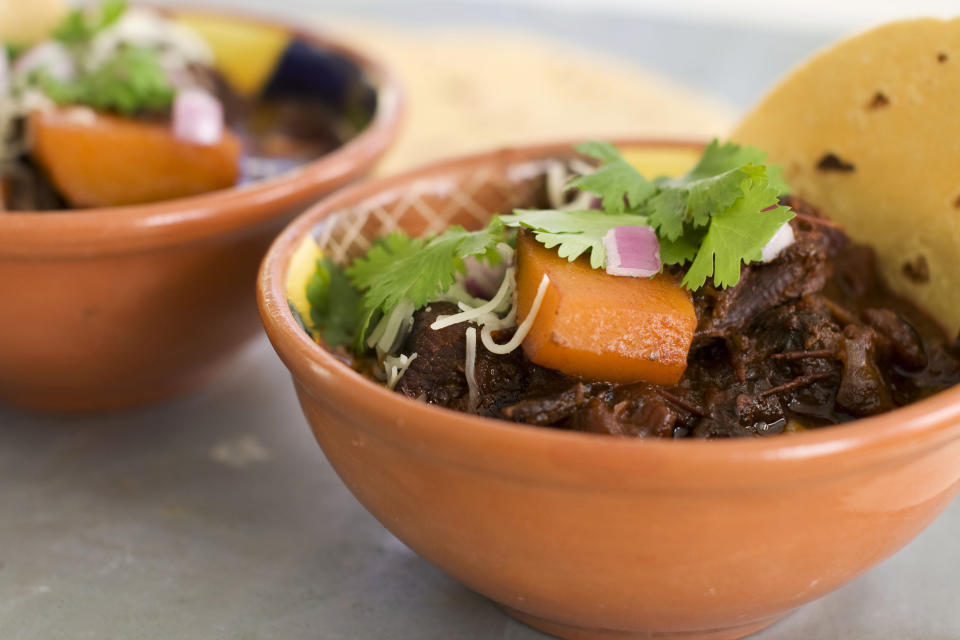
pixel 80 26
pixel 717 216
pixel 417 270
pixel 335 306
pixel 133 80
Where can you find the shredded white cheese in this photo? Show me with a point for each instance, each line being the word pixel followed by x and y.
pixel 470 365
pixel 396 366
pixel 392 328
pixel 469 313
pixel 458 294
pixel 486 334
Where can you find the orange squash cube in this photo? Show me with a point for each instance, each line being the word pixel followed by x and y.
pixel 602 327
pixel 107 160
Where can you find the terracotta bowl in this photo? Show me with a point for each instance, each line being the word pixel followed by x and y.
pixel 109 308
pixel 596 537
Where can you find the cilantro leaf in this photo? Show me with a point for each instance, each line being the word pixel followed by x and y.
pixel 334 303
pixel 417 269
pixel 79 26
pixel 712 186
pixel 737 234
pixel 131 81
pixel 575 232
pixel 365 271
pixel 718 158
pixel 684 200
pixel 617 182
pixel 683 249
pixel 600 150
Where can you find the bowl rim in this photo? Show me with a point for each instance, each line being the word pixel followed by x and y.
pixel 890 438
pixel 134 227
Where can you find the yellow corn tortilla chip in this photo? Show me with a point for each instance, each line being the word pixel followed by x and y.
pixel 869 131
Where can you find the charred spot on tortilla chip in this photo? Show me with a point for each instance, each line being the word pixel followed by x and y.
pixel 956 203
pixel 941 57
pixel 879 100
pixel 832 162
pixel 917 270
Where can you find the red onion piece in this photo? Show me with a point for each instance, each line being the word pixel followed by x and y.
pixel 632 251
pixel 52 57
pixel 197 117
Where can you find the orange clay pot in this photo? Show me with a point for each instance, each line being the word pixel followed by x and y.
pixel 115 307
pixel 593 537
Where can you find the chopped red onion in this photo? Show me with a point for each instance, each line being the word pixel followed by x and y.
pixel 782 239
pixel 52 57
pixel 632 251
pixel 197 117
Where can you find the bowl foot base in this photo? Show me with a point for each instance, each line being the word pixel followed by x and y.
pixel 569 632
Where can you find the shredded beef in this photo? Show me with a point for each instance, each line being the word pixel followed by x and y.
pixel 809 339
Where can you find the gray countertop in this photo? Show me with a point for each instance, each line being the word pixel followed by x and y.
pixel 217 516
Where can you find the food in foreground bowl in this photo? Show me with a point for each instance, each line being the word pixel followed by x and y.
pixel 708 305
pixel 126 105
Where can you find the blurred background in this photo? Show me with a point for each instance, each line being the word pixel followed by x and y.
pixel 482 73
pixel 734 49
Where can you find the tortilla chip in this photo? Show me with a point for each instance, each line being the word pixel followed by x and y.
pixel 869 130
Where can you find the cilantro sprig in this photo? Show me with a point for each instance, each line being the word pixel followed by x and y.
pixel 133 80
pixel 417 270
pixel 717 217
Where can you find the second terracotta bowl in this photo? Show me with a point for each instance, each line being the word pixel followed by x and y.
pixel 110 308
pixel 593 537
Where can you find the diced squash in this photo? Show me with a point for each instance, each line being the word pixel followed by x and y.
pixel 101 160
pixel 602 327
